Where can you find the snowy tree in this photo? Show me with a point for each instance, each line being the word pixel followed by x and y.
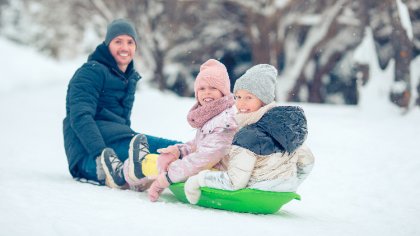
pixel 175 36
pixel 305 39
pixel 392 42
pixel 260 24
pixel 310 41
pixel 414 12
pixel 316 44
pixel 178 36
pixel 35 23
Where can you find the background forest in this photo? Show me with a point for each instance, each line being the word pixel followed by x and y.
pixel 311 42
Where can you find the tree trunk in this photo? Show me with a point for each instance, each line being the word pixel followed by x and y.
pixel 401 92
pixel 414 12
pixel 159 78
pixel 262 33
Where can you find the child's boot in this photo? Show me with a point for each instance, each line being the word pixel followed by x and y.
pixel 113 169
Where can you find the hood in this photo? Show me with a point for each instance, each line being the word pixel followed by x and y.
pixel 281 129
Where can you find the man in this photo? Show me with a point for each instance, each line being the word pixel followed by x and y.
pixel 99 101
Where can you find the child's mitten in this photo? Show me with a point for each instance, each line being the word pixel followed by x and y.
pixel 173 149
pixel 164 160
pixel 157 187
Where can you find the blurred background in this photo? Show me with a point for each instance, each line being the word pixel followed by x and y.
pixel 323 49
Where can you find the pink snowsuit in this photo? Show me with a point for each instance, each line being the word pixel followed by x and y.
pixel 212 142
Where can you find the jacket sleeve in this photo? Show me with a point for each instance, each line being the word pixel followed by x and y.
pixel 84 91
pixel 186 148
pixel 305 162
pixel 211 150
pixel 236 177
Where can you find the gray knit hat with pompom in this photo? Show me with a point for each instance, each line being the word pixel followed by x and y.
pixel 259 80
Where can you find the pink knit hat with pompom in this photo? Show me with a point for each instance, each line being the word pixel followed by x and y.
pixel 215 74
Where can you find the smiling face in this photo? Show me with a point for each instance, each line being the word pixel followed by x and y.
pixel 122 48
pixel 247 102
pixel 207 93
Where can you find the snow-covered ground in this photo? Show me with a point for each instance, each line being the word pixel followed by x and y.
pixel 365 180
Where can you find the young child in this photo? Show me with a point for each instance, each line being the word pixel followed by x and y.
pixel 212 116
pixel 267 151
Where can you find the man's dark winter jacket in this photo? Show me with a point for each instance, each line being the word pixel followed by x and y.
pixel 98 107
pixel 281 129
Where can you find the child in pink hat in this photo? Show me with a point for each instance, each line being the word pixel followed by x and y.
pixel 268 151
pixel 213 117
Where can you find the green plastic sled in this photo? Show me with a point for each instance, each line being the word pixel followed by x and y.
pixel 243 200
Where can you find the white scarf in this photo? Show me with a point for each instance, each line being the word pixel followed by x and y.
pixel 245 119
